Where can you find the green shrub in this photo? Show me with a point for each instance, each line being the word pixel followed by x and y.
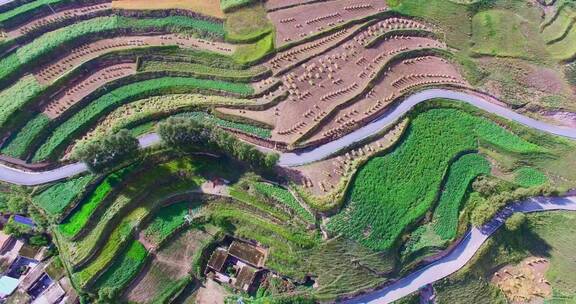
pixel 109 151
pixel 391 192
pixel 124 268
pixel 570 72
pixel 18 146
pixel 15 97
pixel 529 177
pixel 84 117
pixel 74 223
pixel 460 175
pixel 284 196
pixel 58 197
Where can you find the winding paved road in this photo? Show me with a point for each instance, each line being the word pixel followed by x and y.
pixel 28 178
pixel 451 263
pixel 462 253
pixel 394 113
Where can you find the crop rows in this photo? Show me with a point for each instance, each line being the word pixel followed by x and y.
pixel 84 117
pixel 51 41
pixel 58 197
pixel 18 145
pixel 124 268
pixel 142 110
pixel 284 196
pixel 74 223
pixel 461 173
pixel 211 119
pixel 393 191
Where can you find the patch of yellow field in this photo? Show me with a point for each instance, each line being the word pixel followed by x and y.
pixel 204 7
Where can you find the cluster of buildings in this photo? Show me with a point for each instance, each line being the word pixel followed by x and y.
pixel 28 276
pixel 238 264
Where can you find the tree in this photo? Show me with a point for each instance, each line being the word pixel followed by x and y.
pixel 182 133
pixel 515 222
pixel 107 152
pixel 189 135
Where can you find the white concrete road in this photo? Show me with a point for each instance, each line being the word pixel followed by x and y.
pixel 462 253
pixel 17 176
pixel 401 108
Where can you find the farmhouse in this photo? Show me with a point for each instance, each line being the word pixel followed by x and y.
pixel 240 265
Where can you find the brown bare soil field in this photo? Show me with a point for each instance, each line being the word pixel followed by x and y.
pixel 60 16
pixel 525 282
pixel 170 264
pixel 324 177
pixel 86 86
pixel 286 60
pixel 204 7
pixel 400 79
pixel 336 81
pixel 272 5
pixel 296 23
pixel 87 52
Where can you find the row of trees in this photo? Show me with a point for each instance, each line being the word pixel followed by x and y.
pixel 180 133
pixel 188 135
pixel 107 152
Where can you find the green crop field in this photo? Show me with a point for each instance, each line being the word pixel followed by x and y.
pixel 135 161
pixel 49 42
pixel 57 198
pixel 284 196
pixel 18 146
pixel 16 96
pixel 124 268
pixel 211 119
pixel 529 177
pixel 228 5
pixel 166 221
pixel 461 173
pixel 74 223
pixel 25 8
pixel 82 119
pixel 201 70
pixel 391 192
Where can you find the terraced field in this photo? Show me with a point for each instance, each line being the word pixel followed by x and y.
pixel 159 126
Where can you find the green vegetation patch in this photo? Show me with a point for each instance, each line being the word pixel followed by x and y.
pixel 461 174
pixel 58 197
pixel 25 8
pixel 15 97
pixel 74 223
pixel 202 117
pixel 124 268
pixel 284 196
pixel 453 18
pixel 248 24
pixel 172 23
pixel 51 41
pixel 18 146
pixel 393 191
pixel 499 33
pixel 166 221
pixel 529 177
pixel 229 5
pixel 84 117
pixel 250 53
pixel 201 70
